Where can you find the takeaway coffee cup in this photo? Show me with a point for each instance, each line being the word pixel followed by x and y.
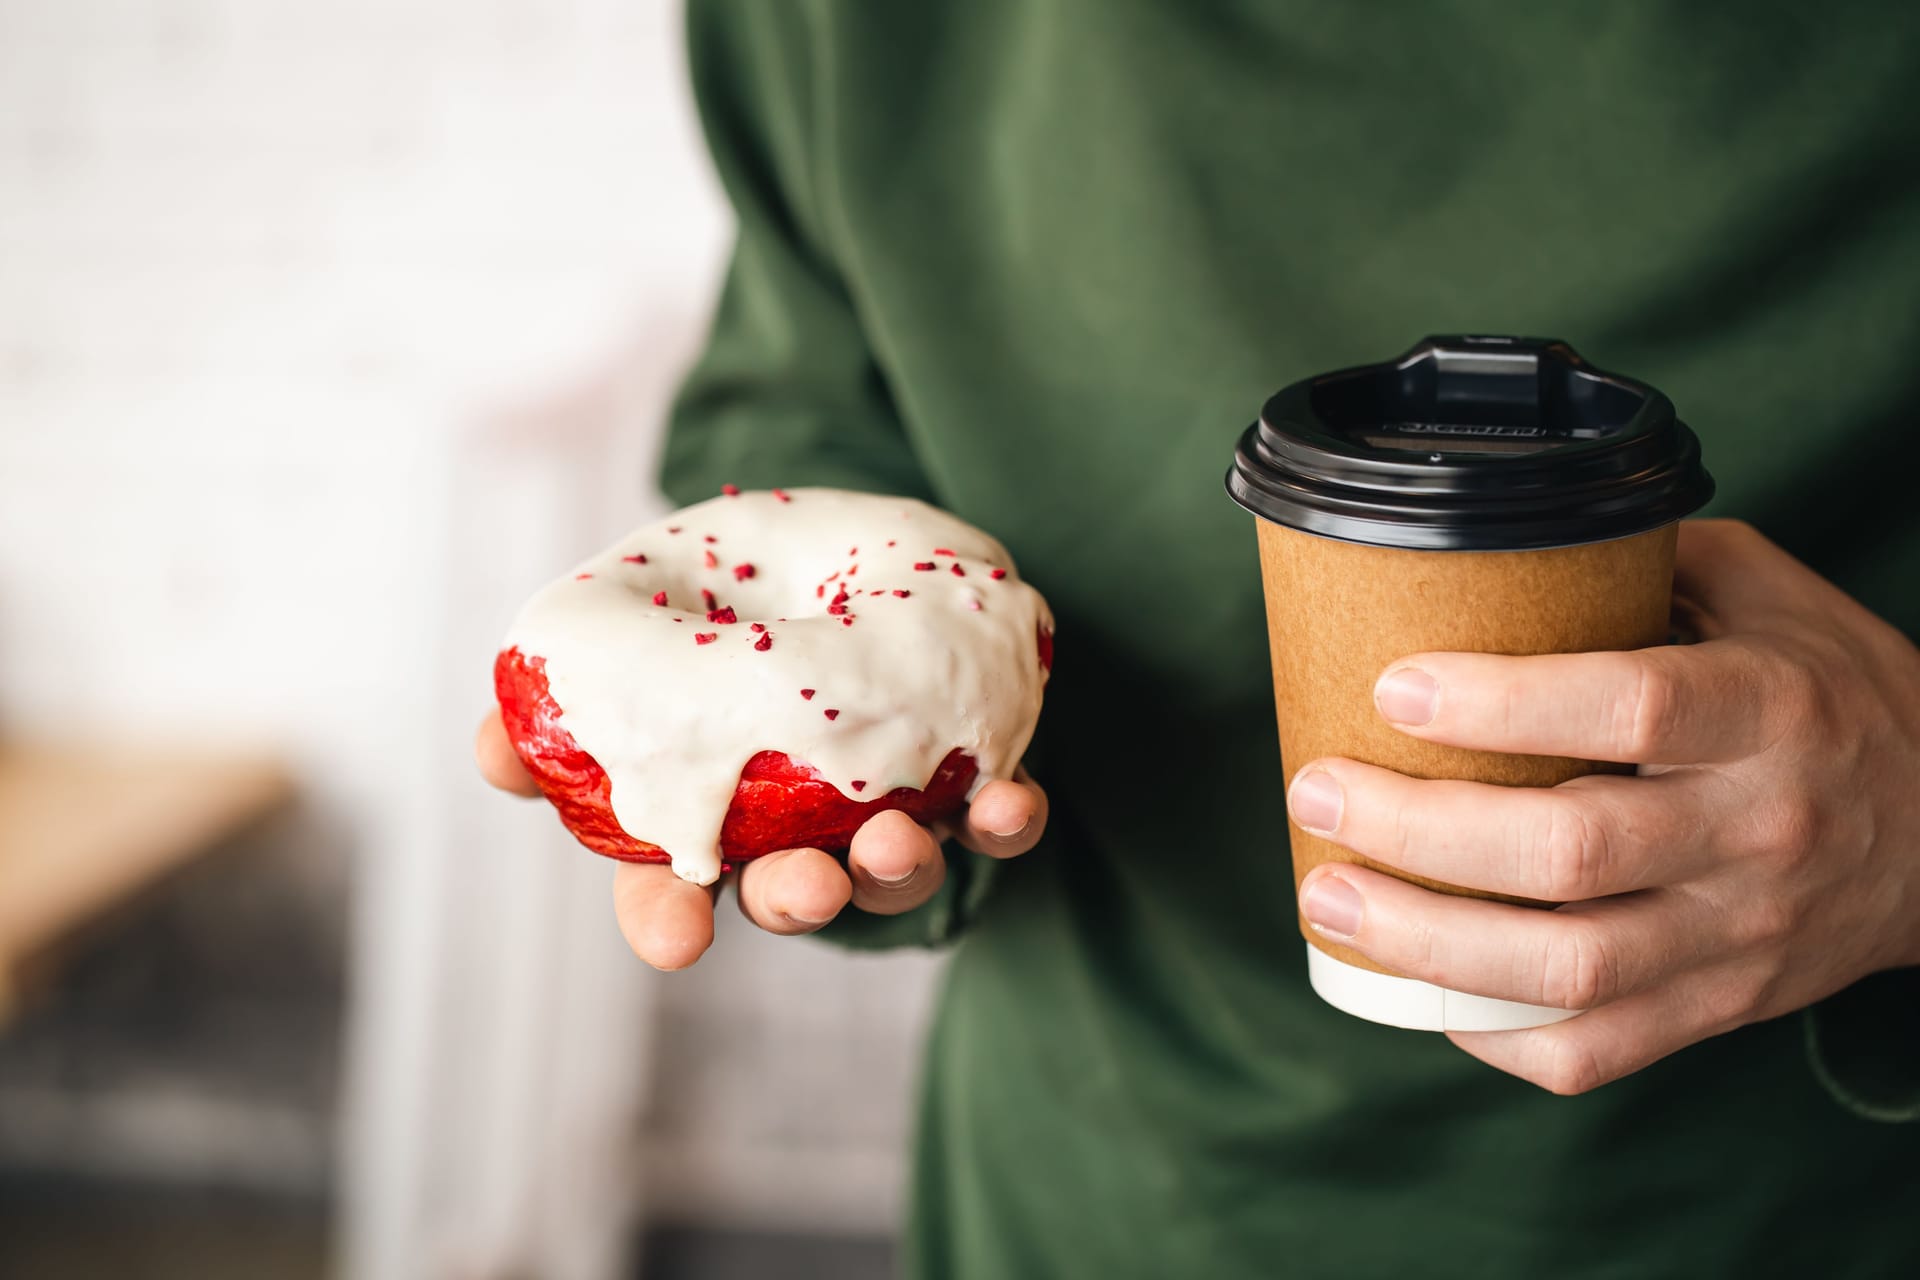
pixel 1488 494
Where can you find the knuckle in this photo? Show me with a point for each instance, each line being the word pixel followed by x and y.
pixel 1429 955
pixel 1581 970
pixel 1769 983
pixel 1737 1000
pixel 1578 850
pixel 1796 692
pixel 1418 949
pixel 1508 717
pixel 1647 712
pixel 1767 922
pixel 1571 1068
pixel 1405 830
pixel 1793 826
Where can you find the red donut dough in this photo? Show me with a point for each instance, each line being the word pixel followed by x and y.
pixel 778 804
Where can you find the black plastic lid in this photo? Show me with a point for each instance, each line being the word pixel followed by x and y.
pixel 1470 444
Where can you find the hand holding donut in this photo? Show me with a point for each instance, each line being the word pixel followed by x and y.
pixel 894 865
pixel 762 681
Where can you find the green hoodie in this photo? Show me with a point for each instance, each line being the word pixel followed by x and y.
pixel 1039 263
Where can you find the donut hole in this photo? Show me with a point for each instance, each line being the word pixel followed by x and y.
pixel 751 599
pixel 767 597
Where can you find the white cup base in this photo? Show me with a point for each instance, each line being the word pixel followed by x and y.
pixel 1416 1005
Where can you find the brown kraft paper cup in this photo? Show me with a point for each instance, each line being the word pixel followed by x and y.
pixel 1339 614
pixel 1477 494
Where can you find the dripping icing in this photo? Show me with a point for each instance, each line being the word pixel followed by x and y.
pixel 673 722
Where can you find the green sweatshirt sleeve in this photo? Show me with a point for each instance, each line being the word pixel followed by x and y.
pixel 787 392
pixel 1864 1044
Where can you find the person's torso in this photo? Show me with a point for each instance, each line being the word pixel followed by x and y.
pixel 1086 240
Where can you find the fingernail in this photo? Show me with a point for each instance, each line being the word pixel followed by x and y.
pixel 1407 696
pixel 894 882
pixel 1316 801
pixel 1008 835
pixel 1332 906
pixel 800 917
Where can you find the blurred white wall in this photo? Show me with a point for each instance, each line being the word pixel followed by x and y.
pixel 259 260
pixel 291 295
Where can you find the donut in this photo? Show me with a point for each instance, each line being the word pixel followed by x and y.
pixel 768 670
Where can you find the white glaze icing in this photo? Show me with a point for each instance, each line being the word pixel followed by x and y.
pixel 673 721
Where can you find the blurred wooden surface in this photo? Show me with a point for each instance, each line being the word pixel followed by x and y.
pixel 84 829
